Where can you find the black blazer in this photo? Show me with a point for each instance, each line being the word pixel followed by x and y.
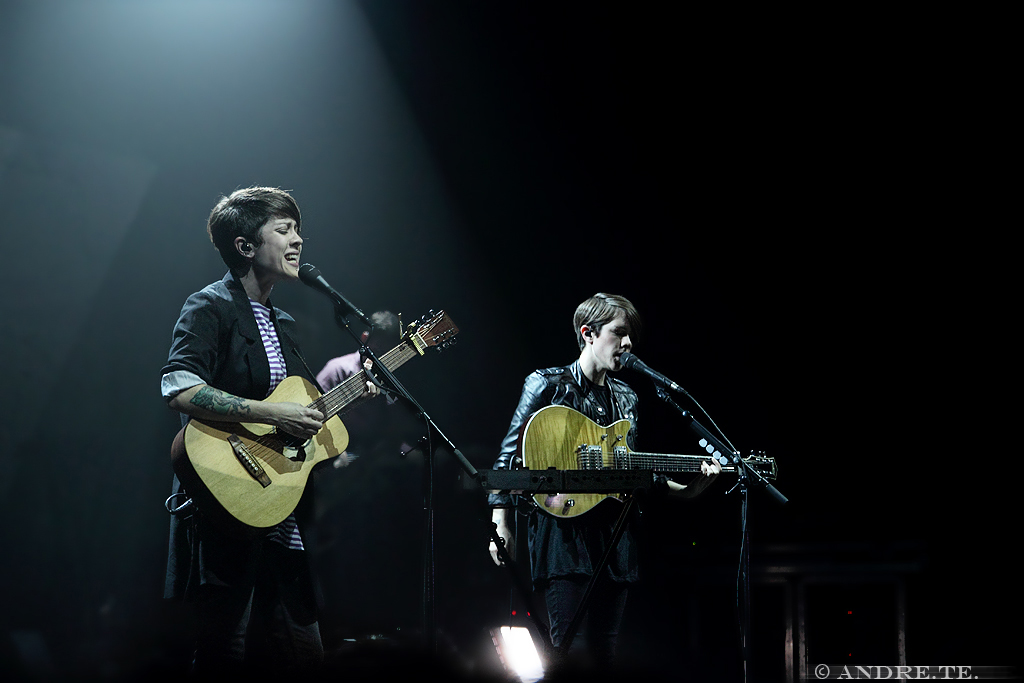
pixel 216 338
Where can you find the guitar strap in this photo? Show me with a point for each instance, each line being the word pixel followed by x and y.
pixel 295 349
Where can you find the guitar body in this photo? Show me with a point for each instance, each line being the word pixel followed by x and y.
pixel 554 437
pixel 564 439
pixel 206 458
pixel 247 477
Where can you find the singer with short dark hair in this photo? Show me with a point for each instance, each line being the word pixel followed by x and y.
pixel 565 550
pixel 230 348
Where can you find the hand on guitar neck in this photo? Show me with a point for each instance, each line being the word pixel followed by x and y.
pixel 708 472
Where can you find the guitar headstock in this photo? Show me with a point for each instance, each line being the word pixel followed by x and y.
pixel 434 330
pixel 763 464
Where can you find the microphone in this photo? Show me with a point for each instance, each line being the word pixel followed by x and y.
pixel 310 275
pixel 633 363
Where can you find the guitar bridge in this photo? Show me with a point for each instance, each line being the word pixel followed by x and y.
pixel 248 462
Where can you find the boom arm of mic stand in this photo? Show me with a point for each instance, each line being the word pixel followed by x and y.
pixel 741 467
pixel 401 390
pixel 341 318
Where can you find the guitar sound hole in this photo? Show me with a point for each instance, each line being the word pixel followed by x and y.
pixel 290 441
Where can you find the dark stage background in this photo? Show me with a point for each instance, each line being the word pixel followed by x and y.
pixel 800 205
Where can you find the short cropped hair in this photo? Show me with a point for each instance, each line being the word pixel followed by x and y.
pixel 601 309
pixel 242 214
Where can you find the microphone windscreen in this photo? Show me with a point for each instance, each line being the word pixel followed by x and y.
pixel 308 273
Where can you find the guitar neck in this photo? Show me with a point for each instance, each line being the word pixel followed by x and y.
pixel 340 397
pixel 660 462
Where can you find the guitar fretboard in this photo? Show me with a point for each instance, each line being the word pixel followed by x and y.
pixel 595 458
pixel 340 397
pixel 662 463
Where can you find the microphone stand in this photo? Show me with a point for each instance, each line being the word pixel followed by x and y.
pixel 716 449
pixel 429 616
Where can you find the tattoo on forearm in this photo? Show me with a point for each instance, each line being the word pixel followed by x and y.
pixel 219 402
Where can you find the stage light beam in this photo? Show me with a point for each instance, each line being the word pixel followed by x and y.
pixel 518 653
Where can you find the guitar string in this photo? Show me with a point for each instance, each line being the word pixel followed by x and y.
pixel 327 403
pixel 352 387
pixel 331 402
pixel 330 398
pixel 648 461
pixel 639 460
pixel 652 462
pixel 272 443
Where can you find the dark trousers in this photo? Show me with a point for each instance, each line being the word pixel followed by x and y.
pixel 595 640
pixel 268 622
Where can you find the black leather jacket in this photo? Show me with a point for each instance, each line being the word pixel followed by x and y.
pixel 567 547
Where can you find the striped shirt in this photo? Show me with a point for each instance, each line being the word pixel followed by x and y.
pixel 287 532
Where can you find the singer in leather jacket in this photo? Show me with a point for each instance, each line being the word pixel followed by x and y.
pixel 569 547
pixel 565 551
